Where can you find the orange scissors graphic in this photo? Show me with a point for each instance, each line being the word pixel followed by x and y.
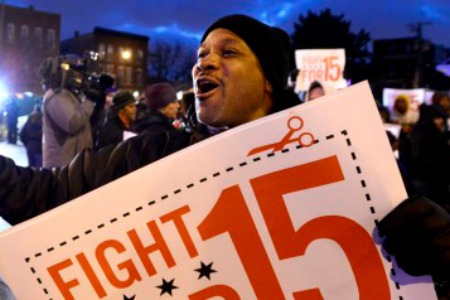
pixel 294 124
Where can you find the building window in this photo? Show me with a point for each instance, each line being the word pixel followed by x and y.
pixel 128 74
pixel 51 39
pixel 392 49
pixel 120 75
pixel 101 51
pixel 391 71
pixel 24 31
pixel 110 68
pixel 139 55
pixel 110 52
pixel 139 77
pixel 38 36
pixel 10 33
pixel 121 50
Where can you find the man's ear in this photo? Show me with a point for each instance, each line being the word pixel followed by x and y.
pixel 268 86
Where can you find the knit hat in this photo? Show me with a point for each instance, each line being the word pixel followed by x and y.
pixel 122 99
pixel 158 95
pixel 271 45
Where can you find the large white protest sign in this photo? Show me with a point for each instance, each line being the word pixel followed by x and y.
pixel 324 65
pixel 284 207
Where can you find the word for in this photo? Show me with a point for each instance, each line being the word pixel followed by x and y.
pixel 319 68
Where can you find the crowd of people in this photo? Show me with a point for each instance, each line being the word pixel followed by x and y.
pixel 423 145
pixel 240 75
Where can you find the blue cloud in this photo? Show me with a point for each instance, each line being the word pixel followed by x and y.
pixel 189 19
pixel 434 14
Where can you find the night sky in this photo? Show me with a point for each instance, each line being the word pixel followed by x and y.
pixel 175 19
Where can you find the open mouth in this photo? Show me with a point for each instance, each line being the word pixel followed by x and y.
pixel 204 86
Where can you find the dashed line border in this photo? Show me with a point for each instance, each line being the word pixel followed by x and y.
pixel 227 170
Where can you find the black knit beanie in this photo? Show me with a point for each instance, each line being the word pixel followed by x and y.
pixel 122 99
pixel 271 45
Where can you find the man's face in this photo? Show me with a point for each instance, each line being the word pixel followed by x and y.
pixel 400 105
pixel 109 99
pixel 129 111
pixel 445 103
pixel 439 123
pixel 171 110
pixel 229 84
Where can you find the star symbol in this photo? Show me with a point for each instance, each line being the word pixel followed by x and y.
pixel 205 270
pixel 126 298
pixel 167 287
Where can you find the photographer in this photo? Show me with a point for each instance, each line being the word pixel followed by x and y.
pixel 71 102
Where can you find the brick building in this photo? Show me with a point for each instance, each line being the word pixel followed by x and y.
pixel 121 54
pixel 27 36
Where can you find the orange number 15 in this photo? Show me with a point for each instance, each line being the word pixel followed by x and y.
pixel 269 189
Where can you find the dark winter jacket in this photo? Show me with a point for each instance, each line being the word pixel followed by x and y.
pixel 111 133
pixel 431 149
pixel 31 133
pixel 27 192
pixel 154 122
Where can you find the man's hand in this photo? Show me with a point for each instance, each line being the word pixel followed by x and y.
pixel 417 234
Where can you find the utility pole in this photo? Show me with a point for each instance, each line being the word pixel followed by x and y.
pixel 417 28
pixel 2 21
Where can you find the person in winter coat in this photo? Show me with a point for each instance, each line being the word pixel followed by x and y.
pixel 31 137
pixel 67 110
pixel 430 141
pixel 222 79
pixel 163 108
pixel 66 127
pixel 119 119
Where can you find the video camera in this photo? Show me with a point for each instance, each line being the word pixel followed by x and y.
pixel 93 80
pixel 74 73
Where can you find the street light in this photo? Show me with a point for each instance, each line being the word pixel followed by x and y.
pixel 126 54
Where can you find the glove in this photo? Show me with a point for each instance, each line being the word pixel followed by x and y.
pixel 417 234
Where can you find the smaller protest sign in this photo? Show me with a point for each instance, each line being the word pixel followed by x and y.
pixel 324 65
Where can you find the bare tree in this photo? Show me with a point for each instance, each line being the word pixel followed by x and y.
pixel 171 62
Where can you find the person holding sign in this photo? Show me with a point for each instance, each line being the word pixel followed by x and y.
pixel 240 75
